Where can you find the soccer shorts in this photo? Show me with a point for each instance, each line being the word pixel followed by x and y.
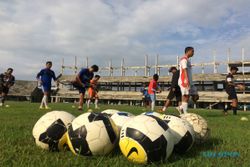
pixel 4 89
pixel 92 93
pixel 189 91
pixel 231 93
pixel 46 88
pixel 176 94
pixel 79 88
pixel 152 97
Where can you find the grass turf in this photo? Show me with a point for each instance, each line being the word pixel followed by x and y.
pixel 17 147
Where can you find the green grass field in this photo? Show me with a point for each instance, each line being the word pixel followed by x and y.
pixel 17 148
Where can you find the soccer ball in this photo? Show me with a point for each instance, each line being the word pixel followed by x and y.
pixel 110 112
pixel 120 118
pixel 50 130
pixel 156 114
pixel 182 131
pixel 145 139
pixel 200 126
pixel 92 134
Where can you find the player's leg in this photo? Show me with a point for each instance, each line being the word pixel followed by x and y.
pixel 96 100
pixel 234 101
pixel 234 106
pixel 1 99
pixel 5 91
pixel 81 101
pixel 44 103
pixel 168 101
pixel 90 95
pixel 185 97
pixel 82 94
pixel 152 98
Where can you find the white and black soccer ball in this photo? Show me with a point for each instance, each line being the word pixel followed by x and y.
pixel 110 112
pixel 50 130
pixel 120 118
pixel 92 134
pixel 156 114
pixel 145 139
pixel 183 133
pixel 200 126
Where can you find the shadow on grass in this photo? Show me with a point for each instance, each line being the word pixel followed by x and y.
pixel 196 150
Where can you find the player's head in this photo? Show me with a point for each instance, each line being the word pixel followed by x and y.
pixel 9 70
pixel 233 69
pixel 97 77
pixel 156 77
pixel 189 51
pixel 48 64
pixel 172 69
pixel 94 68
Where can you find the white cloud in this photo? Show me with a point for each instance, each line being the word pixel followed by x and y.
pixel 34 31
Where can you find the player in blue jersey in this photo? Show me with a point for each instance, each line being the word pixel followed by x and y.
pixel 82 82
pixel 45 77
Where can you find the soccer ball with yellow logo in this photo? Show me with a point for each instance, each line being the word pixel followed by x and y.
pixel 145 139
pixel 92 134
pixel 50 130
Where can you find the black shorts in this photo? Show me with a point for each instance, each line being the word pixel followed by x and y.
pixel 80 88
pixel 176 94
pixel 4 89
pixel 231 93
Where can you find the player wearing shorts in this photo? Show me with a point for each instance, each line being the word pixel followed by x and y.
pixel 7 80
pixel 185 80
pixel 145 95
pixel 152 90
pixel 230 90
pixel 45 77
pixel 82 82
pixel 93 91
pixel 174 89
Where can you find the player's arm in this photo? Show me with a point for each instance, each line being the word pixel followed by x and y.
pixel 11 82
pixel 38 76
pixel 185 73
pixel 158 88
pixel 78 80
pixel 185 77
pixel 230 81
pixel 55 78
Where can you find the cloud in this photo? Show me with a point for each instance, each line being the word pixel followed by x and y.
pixel 34 31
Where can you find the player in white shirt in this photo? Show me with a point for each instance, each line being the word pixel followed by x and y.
pixel 186 81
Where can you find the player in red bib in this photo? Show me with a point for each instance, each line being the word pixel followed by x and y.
pixel 152 90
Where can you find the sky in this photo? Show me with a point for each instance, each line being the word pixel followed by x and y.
pixel 34 31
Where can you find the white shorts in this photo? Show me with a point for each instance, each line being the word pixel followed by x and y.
pixel 189 91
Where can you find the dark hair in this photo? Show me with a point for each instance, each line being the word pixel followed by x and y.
pixel 172 68
pixel 95 68
pixel 234 68
pixel 188 49
pixel 155 76
pixel 97 76
pixel 48 62
pixel 11 69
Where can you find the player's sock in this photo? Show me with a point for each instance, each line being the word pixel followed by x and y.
pixel 152 105
pixel 1 103
pixel 88 103
pixel 227 107
pixel 96 102
pixel 164 109
pixel 234 110
pixel 45 101
pixel 184 107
